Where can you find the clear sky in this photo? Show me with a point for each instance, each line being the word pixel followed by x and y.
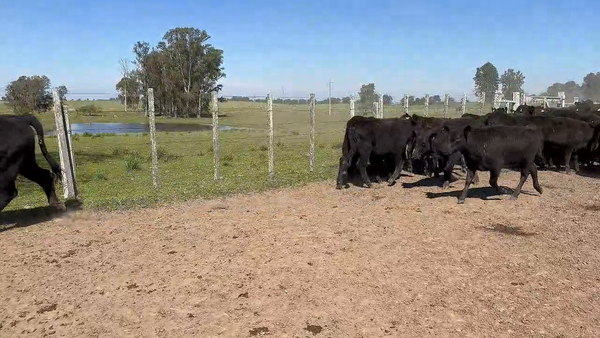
pixel 402 46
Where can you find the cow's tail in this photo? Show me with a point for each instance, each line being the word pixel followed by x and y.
pixel 35 123
pixel 350 141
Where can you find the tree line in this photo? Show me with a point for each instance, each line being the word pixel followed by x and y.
pixel 488 81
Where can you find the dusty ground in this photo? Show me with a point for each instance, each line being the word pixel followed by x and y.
pixel 390 261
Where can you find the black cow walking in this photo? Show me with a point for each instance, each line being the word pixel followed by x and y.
pixel 491 149
pixel 17 156
pixel 368 136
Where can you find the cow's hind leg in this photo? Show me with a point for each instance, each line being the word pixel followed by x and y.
pixel 568 154
pixel 7 193
pixel 8 190
pixel 494 174
pixel 399 162
pixel 361 164
pixel 524 173
pixel 534 177
pixel 30 170
pixel 468 181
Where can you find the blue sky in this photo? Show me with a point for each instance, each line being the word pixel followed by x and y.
pixel 410 46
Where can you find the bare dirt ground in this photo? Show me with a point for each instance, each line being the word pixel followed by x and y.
pixel 317 262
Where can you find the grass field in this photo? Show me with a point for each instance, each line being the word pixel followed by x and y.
pixel 114 171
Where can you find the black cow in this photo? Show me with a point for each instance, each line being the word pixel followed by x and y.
pixel 529 110
pixel 491 149
pixel 562 135
pixel 17 156
pixel 366 136
pixel 423 147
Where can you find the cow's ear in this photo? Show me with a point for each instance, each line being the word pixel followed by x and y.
pixel 466 132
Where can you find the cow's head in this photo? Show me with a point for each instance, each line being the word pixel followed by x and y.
pixel 421 141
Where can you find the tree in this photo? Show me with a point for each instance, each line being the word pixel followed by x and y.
pixel 367 96
pixel 346 99
pixel 570 88
pixel 29 94
pixel 435 99
pixel 591 86
pixel 511 82
pixel 125 70
pixel 62 92
pixel 387 99
pixel 486 81
pixel 129 86
pixel 183 69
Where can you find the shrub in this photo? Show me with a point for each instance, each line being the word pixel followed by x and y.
pixel 89 110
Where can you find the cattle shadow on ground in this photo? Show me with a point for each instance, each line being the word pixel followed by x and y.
pixel 14 219
pixel 593 172
pixel 424 182
pixel 508 230
pixel 484 193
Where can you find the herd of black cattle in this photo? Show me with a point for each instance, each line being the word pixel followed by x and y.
pixel 524 139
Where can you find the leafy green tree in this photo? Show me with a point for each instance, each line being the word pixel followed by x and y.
pixel 486 81
pixel 591 86
pixel 62 92
pixel 435 99
pixel 367 96
pixel 129 90
pixel 570 88
pixel 512 81
pixel 183 69
pixel 29 94
pixel 387 99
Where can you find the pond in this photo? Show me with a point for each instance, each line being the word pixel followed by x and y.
pixel 127 128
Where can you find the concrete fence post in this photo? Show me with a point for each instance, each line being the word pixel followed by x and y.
pixel 153 147
pixel 65 151
pixel 215 130
pixel 271 137
pixel 311 118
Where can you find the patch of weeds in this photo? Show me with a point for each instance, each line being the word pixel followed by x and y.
pixel 87 134
pixel 164 155
pixel 263 147
pixel 321 146
pixel 279 144
pixel 336 145
pixel 100 176
pixel 295 132
pixel 228 158
pixel 75 137
pixel 133 163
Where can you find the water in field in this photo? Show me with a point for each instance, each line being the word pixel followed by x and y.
pixel 127 128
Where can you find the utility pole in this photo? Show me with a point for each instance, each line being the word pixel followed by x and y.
pixel 330 82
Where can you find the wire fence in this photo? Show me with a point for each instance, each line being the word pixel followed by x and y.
pixel 243 148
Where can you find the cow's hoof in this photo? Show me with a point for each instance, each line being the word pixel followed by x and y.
pixel 461 201
pixel 391 183
pixel 59 206
pixel 540 190
pixel 513 197
pixel 446 185
pixel 339 186
pixel 368 185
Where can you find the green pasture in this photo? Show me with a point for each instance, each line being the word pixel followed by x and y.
pixel 114 171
